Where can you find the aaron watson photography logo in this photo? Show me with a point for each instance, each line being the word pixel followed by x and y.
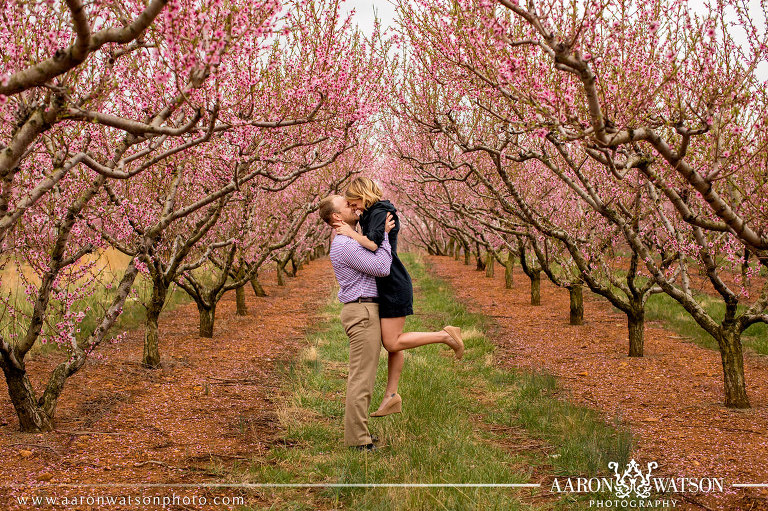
pixel 633 486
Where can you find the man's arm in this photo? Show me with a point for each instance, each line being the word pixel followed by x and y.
pixel 363 260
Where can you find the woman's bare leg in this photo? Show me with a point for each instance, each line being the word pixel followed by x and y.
pixel 395 341
pixel 391 328
pixel 395 363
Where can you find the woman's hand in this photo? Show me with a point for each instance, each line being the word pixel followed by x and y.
pixel 389 224
pixel 344 228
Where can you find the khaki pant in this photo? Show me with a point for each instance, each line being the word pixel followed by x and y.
pixel 361 322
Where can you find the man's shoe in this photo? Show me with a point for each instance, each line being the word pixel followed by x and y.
pixel 364 447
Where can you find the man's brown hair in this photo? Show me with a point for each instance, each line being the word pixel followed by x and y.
pixel 327 209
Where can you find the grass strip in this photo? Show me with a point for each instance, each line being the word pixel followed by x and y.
pixel 133 315
pixel 455 426
pixel 662 307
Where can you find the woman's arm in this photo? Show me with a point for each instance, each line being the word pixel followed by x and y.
pixel 347 230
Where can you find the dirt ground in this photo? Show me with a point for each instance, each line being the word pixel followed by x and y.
pixel 211 405
pixel 671 398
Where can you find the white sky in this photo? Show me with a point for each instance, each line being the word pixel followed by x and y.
pixel 364 13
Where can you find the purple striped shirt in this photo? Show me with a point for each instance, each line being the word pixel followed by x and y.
pixel 356 267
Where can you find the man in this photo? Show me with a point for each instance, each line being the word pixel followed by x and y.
pixel 356 269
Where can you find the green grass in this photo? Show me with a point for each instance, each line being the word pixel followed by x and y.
pixel 462 422
pixel 133 314
pixel 661 307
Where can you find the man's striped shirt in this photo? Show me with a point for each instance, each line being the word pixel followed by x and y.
pixel 356 267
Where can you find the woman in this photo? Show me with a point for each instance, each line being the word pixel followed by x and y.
pixel 395 291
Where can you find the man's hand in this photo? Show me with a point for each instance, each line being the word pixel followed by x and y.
pixel 390 223
pixel 344 228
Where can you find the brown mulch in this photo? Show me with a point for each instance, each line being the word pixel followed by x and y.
pixel 212 405
pixel 671 398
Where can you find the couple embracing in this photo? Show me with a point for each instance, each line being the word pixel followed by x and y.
pixel 376 291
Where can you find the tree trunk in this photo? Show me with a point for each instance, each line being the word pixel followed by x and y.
pixel 636 323
pixel 280 274
pixel 38 415
pixel 207 318
pixel 480 263
pixel 508 267
pixel 151 356
pixel 256 285
pixel 732 356
pixel 536 288
pixel 577 305
pixel 467 255
pixel 242 308
pixel 32 418
pixel 490 261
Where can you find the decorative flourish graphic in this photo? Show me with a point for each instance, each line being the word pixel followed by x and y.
pixel 633 480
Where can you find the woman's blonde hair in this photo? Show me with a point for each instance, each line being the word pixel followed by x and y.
pixel 362 188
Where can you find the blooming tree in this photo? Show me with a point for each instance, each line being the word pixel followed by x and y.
pixel 600 97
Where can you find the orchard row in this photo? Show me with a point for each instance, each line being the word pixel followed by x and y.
pixel 619 145
pixel 194 137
